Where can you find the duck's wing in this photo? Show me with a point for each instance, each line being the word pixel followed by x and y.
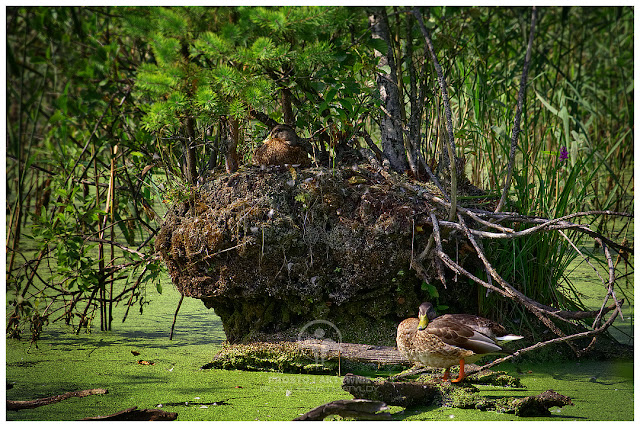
pixel 452 331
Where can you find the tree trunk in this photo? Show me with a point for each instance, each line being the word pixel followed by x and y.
pixel 287 110
pixel 387 81
pixel 190 151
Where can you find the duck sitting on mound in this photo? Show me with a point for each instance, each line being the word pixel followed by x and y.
pixel 442 342
pixel 281 147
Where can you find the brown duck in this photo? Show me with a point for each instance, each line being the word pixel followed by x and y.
pixel 281 147
pixel 447 340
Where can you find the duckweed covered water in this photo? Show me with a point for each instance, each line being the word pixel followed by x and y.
pixel 62 362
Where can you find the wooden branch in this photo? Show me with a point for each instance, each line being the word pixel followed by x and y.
pixel 516 121
pixel 566 338
pixel 378 152
pixel 16 405
pixel 532 305
pixel 119 245
pixel 135 414
pixel 360 409
pixel 262 117
pixel 175 317
pixel 511 292
pixel 542 223
pixel 436 236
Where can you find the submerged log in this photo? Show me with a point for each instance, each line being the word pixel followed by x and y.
pixel 360 409
pixel 463 395
pixel 533 406
pixel 135 414
pixel 331 350
pixel 16 405
pixel 306 356
pixel 405 394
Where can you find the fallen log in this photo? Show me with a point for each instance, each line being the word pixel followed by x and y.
pixel 135 414
pixel 16 405
pixel 405 394
pixel 305 356
pixel 360 409
pixel 363 353
pixel 533 406
pixel 464 395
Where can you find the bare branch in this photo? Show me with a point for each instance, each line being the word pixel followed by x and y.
pixel 566 338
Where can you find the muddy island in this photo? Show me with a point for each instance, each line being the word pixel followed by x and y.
pixel 270 249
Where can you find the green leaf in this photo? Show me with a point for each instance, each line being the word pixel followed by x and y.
pixel 330 95
pixel 563 114
pixel 431 290
pixel 573 152
pixel 346 104
pixel 546 104
pixel 378 44
pixel 385 69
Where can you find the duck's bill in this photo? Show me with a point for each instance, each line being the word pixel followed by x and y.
pixel 424 321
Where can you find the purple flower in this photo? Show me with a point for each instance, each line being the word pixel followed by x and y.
pixel 564 154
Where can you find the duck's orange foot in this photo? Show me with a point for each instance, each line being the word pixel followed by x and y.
pixel 457 380
pixel 461 374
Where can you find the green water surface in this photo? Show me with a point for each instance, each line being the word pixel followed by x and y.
pixel 65 362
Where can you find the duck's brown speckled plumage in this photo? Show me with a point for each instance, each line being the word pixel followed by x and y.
pixel 449 339
pixel 281 147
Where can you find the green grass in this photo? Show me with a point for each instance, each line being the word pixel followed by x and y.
pixel 65 362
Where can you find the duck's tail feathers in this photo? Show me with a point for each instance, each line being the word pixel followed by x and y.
pixel 509 338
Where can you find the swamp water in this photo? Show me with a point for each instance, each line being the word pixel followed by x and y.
pixel 63 362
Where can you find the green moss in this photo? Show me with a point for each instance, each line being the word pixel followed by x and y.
pixel 281 357
pixel 497 378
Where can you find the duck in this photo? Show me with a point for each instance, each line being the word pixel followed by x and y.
pixel 450 339
pixel 282 146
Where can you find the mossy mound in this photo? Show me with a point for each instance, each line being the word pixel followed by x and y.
pixel 263 356
pixel 271 250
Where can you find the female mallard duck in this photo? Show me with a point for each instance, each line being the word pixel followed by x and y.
pixel 443 341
